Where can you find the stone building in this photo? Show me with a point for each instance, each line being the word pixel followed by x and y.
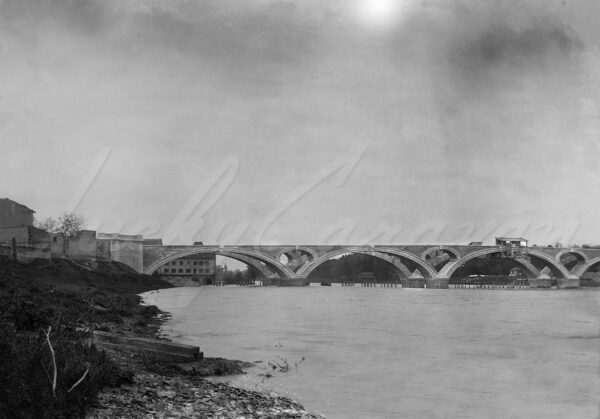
pixel 13 214
pixel 193 269
pixel 18 237
pixel 16 222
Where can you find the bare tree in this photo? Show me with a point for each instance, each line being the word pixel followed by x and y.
pixel 68 225
pixel 47 224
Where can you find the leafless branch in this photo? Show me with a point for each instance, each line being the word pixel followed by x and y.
pixel 46 370
pixel 53 360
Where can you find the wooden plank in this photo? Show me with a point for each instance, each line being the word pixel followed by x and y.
pixel 162 350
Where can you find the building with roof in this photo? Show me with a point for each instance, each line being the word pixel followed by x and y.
pixel 13 214
pixel 512 246
pixel 198 268
pixel 16 224
pixel 18 237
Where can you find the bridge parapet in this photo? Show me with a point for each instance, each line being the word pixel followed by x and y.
pixel 590 253
pixel 156 252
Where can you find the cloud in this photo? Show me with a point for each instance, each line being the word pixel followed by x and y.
pixel 463 103
pixel 481 44
pixel 541 46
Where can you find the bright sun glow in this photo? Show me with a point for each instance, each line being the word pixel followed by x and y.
pixel 380 12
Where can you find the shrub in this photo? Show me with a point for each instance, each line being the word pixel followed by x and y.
pixel 26 368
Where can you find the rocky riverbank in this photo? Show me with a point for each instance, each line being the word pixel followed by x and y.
pixel 158 390
pixel 173 395
pixel 50 372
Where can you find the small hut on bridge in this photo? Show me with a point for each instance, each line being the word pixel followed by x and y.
pixel 512 246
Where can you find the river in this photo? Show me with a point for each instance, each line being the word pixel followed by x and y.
pixel 358 352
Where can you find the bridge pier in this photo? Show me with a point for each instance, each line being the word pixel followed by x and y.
pixel 437 283
pixel 413 282
pixel 285 282
pixel 572 282
pixel 540 282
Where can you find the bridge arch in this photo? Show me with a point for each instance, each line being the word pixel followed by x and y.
pixel 577 253
pixel 281 269
pixel 449 268
pixel 304 249
pixel 296 256
pixel 258 266
pixel 572 259
pixel 580 270
pixel 447 249
pixel 439 256
pixel 427 270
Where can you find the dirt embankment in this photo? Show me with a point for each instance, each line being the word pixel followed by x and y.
pixel 45 305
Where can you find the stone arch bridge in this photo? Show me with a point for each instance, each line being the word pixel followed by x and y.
pixel 435 263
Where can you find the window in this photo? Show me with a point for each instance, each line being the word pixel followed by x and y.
pixel 180 270
pixel 195 262
pixel 188 270
pixel 180 262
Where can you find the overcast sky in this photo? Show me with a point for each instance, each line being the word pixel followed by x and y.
pixel 306 121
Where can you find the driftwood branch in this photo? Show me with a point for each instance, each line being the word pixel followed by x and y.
pixel 53 360
pixel 160 350
pixel 79 381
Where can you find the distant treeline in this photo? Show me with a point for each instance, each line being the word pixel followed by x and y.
pixel 349 267
pixel 573 245
pixel 235 277
pixel 486 266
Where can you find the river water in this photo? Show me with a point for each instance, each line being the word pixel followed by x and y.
pixel 403 353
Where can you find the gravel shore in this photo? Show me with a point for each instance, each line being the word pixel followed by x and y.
pixel 158 390
pixel 158 396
